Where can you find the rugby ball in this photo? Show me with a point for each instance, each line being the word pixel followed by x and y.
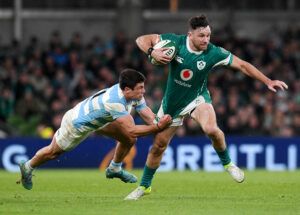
pixel 171 51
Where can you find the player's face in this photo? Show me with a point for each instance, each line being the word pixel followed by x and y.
pixel 200 38
pixel 138 91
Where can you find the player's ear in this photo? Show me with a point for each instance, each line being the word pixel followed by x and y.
pixel 127 89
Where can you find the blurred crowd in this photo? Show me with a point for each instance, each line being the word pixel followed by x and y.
pixel 39 82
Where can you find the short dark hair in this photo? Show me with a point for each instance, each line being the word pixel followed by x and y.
pixel 130 78
pixel 197 22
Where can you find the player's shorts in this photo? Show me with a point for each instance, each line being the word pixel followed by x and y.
pixel 178 121
pixel 67 136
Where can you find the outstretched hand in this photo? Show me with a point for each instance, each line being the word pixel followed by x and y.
pixel 160 56
pixel 164 121
pixel 273 84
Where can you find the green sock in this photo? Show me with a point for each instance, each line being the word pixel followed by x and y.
pixel 147 176
pixel 224 157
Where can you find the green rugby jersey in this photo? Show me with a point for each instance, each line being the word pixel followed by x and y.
pixel 188 73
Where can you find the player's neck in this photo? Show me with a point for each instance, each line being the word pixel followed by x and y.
pixel 192 47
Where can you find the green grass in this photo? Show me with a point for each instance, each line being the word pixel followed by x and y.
pixel 89 192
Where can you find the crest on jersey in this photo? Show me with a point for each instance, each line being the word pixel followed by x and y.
pixel 186 74
pixel 201 64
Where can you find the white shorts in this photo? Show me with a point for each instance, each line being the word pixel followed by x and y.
pixel 178 121
pixel 67 136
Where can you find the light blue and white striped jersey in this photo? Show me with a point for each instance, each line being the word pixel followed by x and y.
pixel 103 107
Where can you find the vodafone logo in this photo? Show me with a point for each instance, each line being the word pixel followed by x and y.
pixel 186 74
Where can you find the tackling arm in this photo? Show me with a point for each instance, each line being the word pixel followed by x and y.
pixel 127 124
pixel 147 115
pixel 253 72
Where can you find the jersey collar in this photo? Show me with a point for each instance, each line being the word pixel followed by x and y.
pixel 189 48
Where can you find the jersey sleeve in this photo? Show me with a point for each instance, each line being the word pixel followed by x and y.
pixel 172 37
pixel 116 110
pixel 222 56
pixel 140 105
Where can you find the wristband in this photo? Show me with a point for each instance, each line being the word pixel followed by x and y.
pixel 150 50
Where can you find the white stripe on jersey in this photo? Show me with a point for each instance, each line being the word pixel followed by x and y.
pixel 120 93
pixel 119 107
pixel 224 62
pixel 114 107
pixel 86 107
pixel 95 103
pixel 106 96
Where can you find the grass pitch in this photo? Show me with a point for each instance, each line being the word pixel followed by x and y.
pixel 89 192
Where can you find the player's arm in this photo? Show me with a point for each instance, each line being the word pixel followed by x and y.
pixel 144 111
pixel 147 115
pixel 146 43
pixel 253 72
pixel 127 124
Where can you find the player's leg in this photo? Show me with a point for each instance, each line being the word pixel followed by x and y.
pixel 124 144
pixel 65 139
pixel 45 154
pixel 160 144
pixel 124 141
pixel 205 116
pixel 155 154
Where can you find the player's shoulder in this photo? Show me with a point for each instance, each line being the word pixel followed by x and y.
pixel 211 47
pixel 114 94
pixel 214 49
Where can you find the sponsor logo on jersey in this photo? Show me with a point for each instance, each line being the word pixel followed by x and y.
pixel 182 83
pixel 201 64
pixel 179 59
pixel 186 74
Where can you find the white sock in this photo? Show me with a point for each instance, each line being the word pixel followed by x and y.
pixel 115 167
pixel 28 166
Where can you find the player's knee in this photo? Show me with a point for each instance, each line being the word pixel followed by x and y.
pixel 160 145
pixel 128 141
pixel 158 149
pixel 162 140
pixel 132 141
pixel 212 131
pixel 51 153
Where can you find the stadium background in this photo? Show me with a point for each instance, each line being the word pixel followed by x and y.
pixel 55 53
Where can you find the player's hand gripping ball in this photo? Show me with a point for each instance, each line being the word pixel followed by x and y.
pixel 170 51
